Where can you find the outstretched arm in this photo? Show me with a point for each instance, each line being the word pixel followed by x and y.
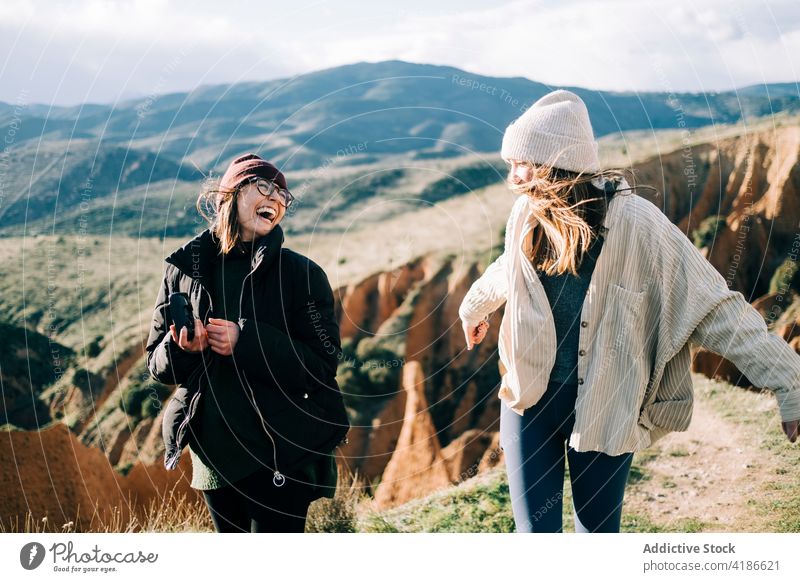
pixel 486 294
pixel 698 306
pixel 737 332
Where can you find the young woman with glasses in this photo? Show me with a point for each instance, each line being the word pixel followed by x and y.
pixel 258 402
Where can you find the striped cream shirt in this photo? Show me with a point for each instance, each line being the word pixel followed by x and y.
pixel 651 293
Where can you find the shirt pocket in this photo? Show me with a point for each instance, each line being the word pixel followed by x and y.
pixel 622 323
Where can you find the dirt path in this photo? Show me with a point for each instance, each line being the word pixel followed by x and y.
pixel 709 478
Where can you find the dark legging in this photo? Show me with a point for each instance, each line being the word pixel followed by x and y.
pixel 254 504
pixel 534 445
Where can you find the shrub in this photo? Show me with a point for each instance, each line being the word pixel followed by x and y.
pixel 786 276
pixel 337 514
pixel 87 381
pixel 708 230
pixel 368 380
pixel 143 400
pixel 93 349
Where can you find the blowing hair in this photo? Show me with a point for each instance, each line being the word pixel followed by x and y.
pixel 570 211
pixel 218 206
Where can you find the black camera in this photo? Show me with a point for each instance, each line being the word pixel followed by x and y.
pixel 181 311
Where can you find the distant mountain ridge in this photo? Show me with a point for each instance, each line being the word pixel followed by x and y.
pixel 324 111
pixel 353 114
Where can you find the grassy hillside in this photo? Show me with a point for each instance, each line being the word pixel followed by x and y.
pixel 80 288
pixel 330 198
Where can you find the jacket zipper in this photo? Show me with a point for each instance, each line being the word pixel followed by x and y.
pixel 278 479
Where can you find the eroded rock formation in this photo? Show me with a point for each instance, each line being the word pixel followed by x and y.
pixel 55 476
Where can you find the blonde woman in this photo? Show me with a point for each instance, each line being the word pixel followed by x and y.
pixel 603 296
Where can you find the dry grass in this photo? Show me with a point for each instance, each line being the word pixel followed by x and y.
pixel 338 514
pixel 174 513
pixel 177 513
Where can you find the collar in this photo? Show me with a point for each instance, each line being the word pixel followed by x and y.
pixel 609 220
pixel 195 258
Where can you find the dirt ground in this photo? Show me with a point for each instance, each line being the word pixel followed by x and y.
pixel 716 476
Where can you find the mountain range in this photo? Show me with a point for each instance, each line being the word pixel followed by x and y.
pixel 134 167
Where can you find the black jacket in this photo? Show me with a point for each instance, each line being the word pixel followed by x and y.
pixel 287 352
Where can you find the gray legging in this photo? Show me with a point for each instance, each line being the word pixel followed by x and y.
pixel 534 445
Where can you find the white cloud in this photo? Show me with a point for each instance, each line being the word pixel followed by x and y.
pixel 100 50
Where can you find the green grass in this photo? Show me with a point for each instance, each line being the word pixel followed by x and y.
pixel 637 474
pixel 481 504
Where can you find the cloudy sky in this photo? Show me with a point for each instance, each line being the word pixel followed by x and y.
pixel 77 51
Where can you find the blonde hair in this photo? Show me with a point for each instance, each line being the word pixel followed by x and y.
pixel 218 206
pixel 570 211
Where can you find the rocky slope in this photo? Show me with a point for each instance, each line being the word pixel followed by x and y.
pixel 57 477
pixel 747 188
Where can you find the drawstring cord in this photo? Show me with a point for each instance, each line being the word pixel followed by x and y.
pixel 278 479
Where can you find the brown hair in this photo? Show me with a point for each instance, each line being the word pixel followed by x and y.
pixel 569 209
pixel 218 206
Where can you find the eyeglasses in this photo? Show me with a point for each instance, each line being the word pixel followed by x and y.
pixel 267 189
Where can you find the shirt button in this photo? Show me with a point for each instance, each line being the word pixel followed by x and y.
pixel 305 395
pixel 584 323
pixel 582 353
pixel 580 380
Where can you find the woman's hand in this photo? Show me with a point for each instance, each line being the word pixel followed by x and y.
pixel 222 335
pixel 198 344
pixel 475 334
pixel 791 429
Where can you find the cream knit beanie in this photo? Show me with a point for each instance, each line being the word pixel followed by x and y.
pixel 555 131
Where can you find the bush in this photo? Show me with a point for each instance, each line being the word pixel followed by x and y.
pixel 708 230
pixel 93 349
pixel 337 514
pixel 143 400
pixel 368 381
pixel 151 407
pixel 87 381
pixel 786 276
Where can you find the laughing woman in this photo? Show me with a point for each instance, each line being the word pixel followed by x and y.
pixel 603 296
pixel 258 403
